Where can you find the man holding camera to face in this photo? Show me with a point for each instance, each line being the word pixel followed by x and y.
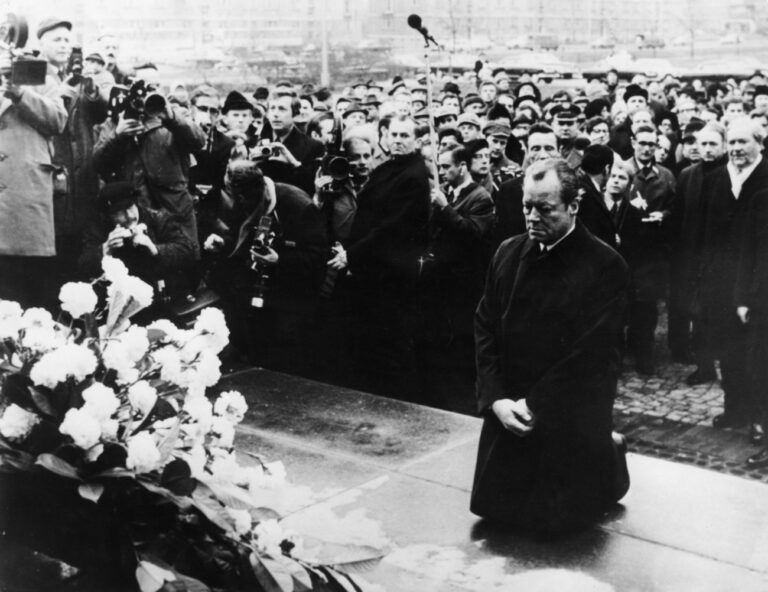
pixel 76 183
pixel 30 115
pixel 151 243
pixel 293 155
pixel 148 143
pixel 266 246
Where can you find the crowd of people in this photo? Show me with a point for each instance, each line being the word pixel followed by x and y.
pixel 348 239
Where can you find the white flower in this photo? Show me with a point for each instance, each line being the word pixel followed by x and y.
pixel 255 476
pixel 196 458
pixel 55 366
pixel 242 519
pixel 211 325
pixel 269 535
pixel 136 342
pixel 143 455
pixel 10 319
pixel 275 474
pixel 200 413
pixel 36 317
pixel 82 427
pixel 16 422
pixel 224 467
pixel 169 362
pixel 232 405
pixel 139 290
pixel 208 369
pixel 77 298
pixel 109 429
pixel 100 401
pixel 114 270
pixel 223 432
pixel 142 397
pixel 42 339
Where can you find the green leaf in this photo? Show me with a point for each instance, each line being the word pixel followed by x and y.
pixel 58 466
pixel 270 579
pixel 177 477
pixel 91 491
pixel 15 389
pixel 116 473
pixel 182 502
pixel 168 443
pixel 212 509
pixel 41 402
pixel 151 577
pixel 261 514
pixel 233 496
pixel 339 581
pixel 155 335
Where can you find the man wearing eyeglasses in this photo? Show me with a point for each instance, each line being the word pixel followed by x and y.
pixel 212 159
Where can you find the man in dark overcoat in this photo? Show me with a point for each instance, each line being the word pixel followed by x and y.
pixel 273 331
pixel 728 201
pixel 388 237
pixel 546 333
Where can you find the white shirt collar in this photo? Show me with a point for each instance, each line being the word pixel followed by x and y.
pixel 547 248
pixel 458 190
pixel 738 177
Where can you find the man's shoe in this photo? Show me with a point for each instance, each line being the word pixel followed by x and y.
pixel 758 460
pixel 700 376
pixel 725 420
pixel 757 434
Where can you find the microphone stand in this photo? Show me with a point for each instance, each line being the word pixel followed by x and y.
pixel 430 113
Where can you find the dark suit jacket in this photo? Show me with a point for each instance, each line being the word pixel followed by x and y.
pixel 510 220
pixel 391 228
pixel 593 213
pixel 461 232
pixel 547 330
pixel 301 243
pixel 212 160
pixel 304 149
pixel 726 221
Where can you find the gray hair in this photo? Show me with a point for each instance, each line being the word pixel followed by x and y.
pixel 569 184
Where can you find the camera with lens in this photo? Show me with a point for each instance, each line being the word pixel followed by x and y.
pixel 260 245
pixel 26 68
pixel 139 101
pixel 264 149
pixel 338 168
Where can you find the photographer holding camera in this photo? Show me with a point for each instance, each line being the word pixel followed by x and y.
pixel 30 115
pixel 148 144
pixel 151 243
pixel 266 245
pixel 293 155
pixel 77 184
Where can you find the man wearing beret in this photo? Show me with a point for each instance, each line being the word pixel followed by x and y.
pixel 29 117
pixel 150 242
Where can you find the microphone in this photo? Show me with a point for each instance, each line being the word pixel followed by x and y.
pixel 414 22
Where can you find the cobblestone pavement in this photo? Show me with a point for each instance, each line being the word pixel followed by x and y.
pixel 667 395
pixel 664 417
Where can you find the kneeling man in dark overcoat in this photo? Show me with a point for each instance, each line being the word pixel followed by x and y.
pixel 547 346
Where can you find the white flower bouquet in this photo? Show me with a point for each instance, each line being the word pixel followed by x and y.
pixel 112 421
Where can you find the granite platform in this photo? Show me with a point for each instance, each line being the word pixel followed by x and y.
pixel 680 528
